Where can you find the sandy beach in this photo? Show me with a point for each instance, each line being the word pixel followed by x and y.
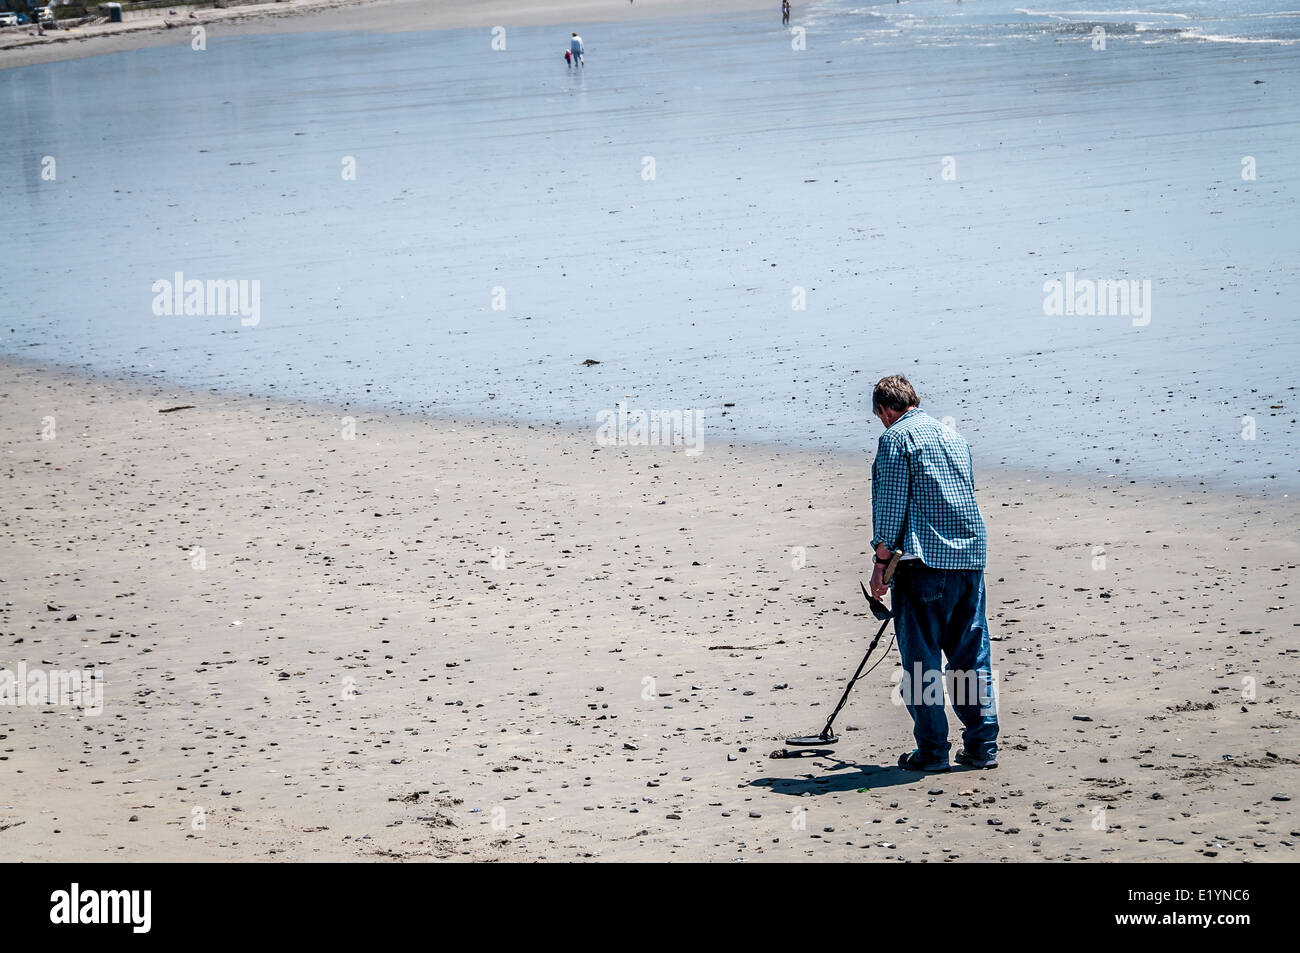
pixel 458 640
pixel 356 577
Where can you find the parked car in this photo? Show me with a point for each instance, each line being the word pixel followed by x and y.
pixel 8 19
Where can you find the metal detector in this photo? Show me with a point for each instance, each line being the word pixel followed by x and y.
pixel 880 611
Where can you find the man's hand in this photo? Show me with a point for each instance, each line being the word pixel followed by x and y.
pixel 878 587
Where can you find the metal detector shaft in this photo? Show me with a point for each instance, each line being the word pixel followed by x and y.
pixel 889 574
pixel 826 732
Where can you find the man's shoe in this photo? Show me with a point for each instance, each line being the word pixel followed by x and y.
pixel 976 760
pixel 913 761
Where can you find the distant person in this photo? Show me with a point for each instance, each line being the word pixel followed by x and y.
pixel 785 12
pixel 575 48
pixel 568 59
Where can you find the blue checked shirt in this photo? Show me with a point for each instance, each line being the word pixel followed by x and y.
pixel 923 494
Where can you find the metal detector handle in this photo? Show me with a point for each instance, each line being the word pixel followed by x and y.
pixel 892 565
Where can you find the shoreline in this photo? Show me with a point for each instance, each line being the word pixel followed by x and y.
pixel 1165 488
pixel 349 673
pixel 18 49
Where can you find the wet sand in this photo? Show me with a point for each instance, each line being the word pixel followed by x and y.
pixel 18 47
pixel 471 640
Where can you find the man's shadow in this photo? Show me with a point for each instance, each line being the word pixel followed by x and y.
pixel 847 776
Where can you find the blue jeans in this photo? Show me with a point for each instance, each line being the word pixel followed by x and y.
pixel 942 610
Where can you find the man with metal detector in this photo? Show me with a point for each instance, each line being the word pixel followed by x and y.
pixel 923 505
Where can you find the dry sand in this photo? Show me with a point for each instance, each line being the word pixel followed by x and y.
pixel 350 676
pixel 22 47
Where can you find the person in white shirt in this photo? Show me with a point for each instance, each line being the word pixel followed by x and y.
pixel 575 48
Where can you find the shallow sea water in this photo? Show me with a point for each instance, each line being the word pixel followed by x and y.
pixel 912 178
